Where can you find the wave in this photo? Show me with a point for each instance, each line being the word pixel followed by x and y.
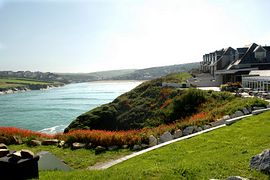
pixel 54 129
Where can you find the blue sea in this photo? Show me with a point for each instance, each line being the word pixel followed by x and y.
pixel 52 110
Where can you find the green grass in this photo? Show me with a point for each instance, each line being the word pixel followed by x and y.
pixel 6 83
pixel 77 159
pixel 218 154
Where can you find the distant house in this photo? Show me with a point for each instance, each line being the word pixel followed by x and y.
pixel 229 65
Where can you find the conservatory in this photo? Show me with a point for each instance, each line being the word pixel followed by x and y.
pixel 256 83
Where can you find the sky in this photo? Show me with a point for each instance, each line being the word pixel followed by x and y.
pixel 98 35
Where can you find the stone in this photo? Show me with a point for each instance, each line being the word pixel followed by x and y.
pixel 236 178
pixel 3 146
pixel 15 156
pixel 152 141
pixel 261 161
pixel 257 108
pixel 18 140
pixel 112 148
pixel 99 149
pixel 88 146
pixel 237 114
pixel 245 111
pixel 77 145
pixel 136 147
pixel 34 142
pixel 177 134
pixel 206 127
pixel 144 146
pixel 268 106
pixel 3 152
pixel 166 136
pixel 4 140
pixel 188 130
pixel 125 146
pixel 61 144
pixel 226 117
pixel 50 142
pixel 26 154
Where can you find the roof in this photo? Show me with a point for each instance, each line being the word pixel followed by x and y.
pixel 260 78
pixel 242 50
pixel 259 49
pixel 260 72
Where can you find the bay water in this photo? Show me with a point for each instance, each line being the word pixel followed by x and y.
pixel 52 110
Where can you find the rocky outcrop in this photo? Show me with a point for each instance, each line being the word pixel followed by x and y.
pixel 261 162
pixel 166 136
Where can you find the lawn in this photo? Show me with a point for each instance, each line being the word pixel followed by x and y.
pixel 218 154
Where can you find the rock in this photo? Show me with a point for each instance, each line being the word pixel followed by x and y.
pixel 100 149
pixel 144 146
pixel 152 141
pixel 249 109
pixel 226 117
pixel 61 144
pixel 88 146
pixel 236 178
pixel 18 140
pixel 112 148
pixel 166 136
pixel 125 146
pixel 206 127
pixel 261 161
pixel 3 152
pixel 245 111
pixel 237 114
pixel 4 140
pixel 3 146
pixel 177 134
pixel 188 130
pixel 26 154
pixel 15 156
pixel 77 145
pixel 268 106
pixel 196 129
pixel 50 142
pixel 136 147
pixel 34 142
pixel 257 108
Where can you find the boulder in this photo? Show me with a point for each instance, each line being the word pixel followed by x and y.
pixel 197 129
pixel 257 108
pixel 177 134
pixel 136 147
pixel 18 140
pixel 125 146
pixel 188 130
pixel 166 136
pixel 77 145
pixel 3 152
pixel 34 142
pixel 237 114
pixel 261 161
pixel 50 142
pixel 99 149
pixel 26 154
pixel 144 146
pixel 112 148
pixel 152 141
pixel 206 127
pixel 268 106
pixel 88 146
pixel 236 178
pixel 4 140
pixel 3 146
pixel 226 117
pixel 246 111
pixel 61 144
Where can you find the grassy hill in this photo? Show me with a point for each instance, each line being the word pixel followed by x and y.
pixel 19 83
pixel 150 105
pixel 218 154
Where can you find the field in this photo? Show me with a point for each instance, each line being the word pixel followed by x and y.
pixel 6 83
pixel 218 154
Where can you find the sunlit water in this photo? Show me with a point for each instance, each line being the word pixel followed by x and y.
pixel 52 110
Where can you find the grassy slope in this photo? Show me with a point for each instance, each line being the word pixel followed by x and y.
pixel 217 154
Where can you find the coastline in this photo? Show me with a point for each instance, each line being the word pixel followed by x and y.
pixel 28 88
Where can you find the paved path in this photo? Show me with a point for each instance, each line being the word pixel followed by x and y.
pixel 106 165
